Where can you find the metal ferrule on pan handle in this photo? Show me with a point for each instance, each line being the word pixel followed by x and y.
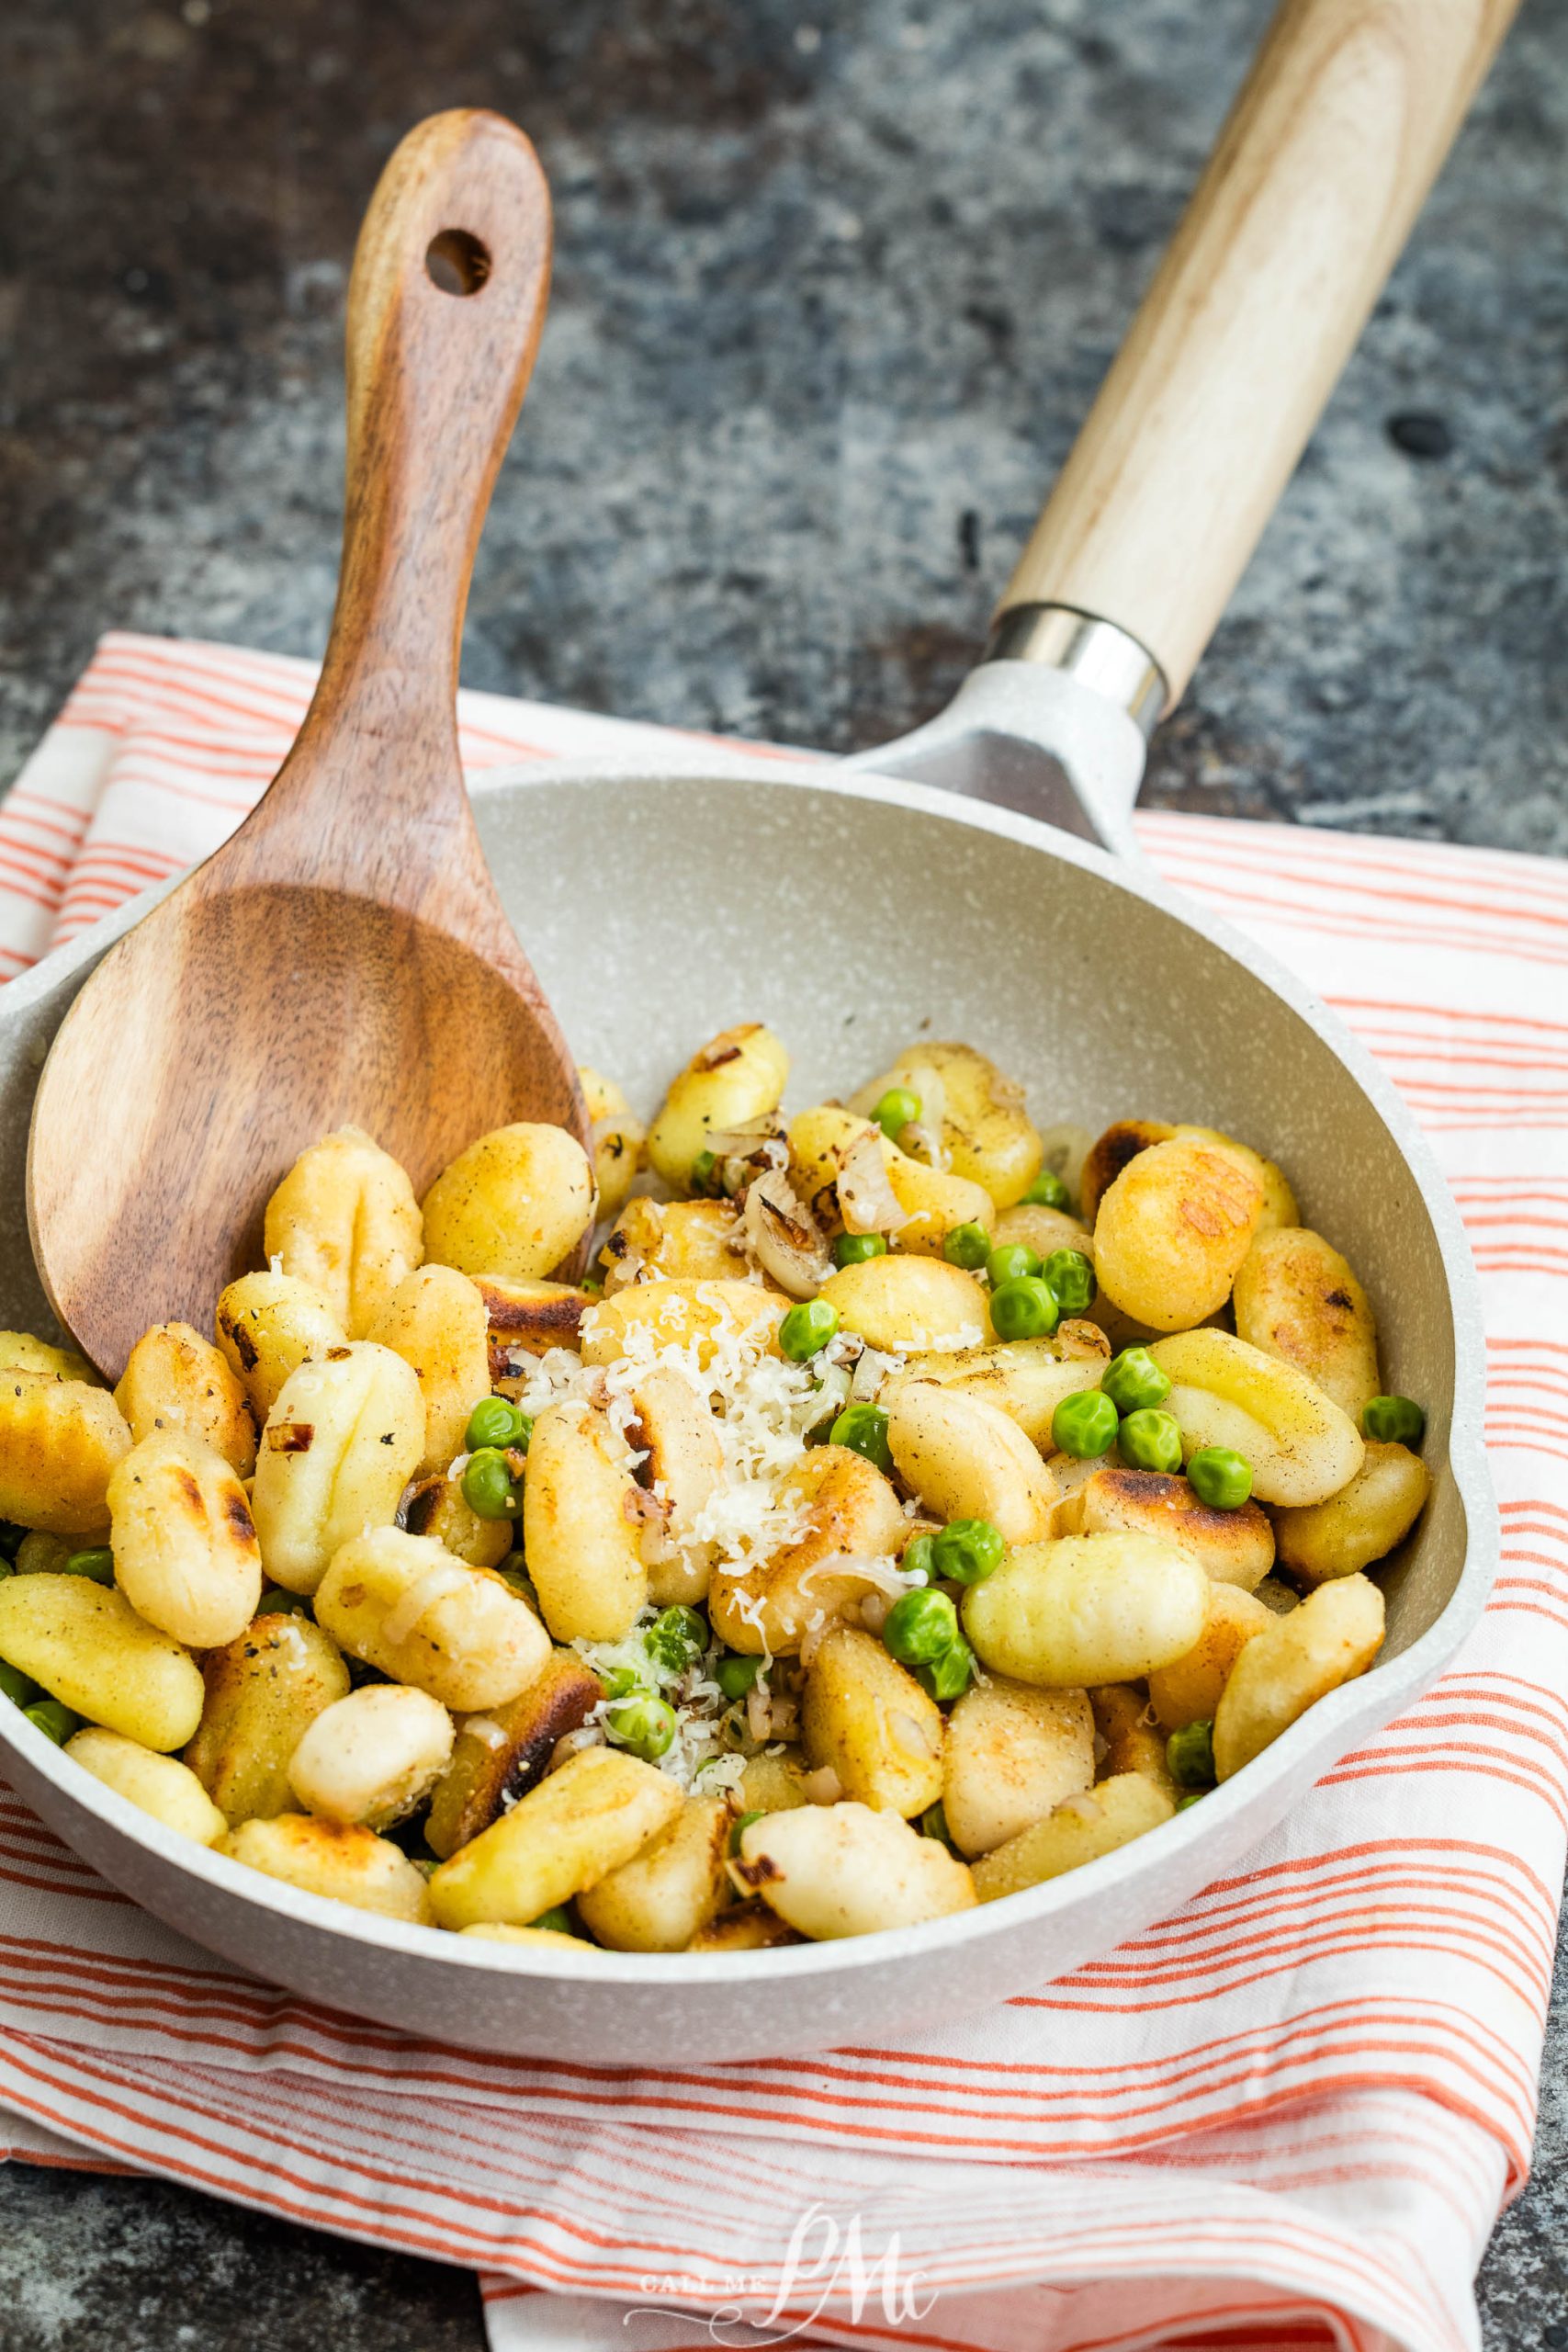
pixel 1097 654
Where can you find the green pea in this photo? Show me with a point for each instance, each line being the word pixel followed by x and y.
pixel 1220 1477
pixel 1010 1263
pixel 968 1551
pixel 276 1602
pixel 591 1286
pixel 895 1110
pixel 558 1919
pixel 1193 1796
pixel 1047 1191
pixel 968 1246
pixel 514 1568
pixel 1025 1309
pixel 1150 1441
pixel 1394 1420
pixel 677 1638
pixel 19 1688
pixel 933 1822
pixel 854 1249
pixel 621 1681
pixel 55 1722
pixel 1132 1380
pixel 919 1626
pixel 642 1724
pixel 1189 1756
pixel 947 1677
pixel 735 1675
pixel 1071 1277
pixel 96 1564
pixel 864 1429
pixel 487 1487
pixel 919 1557
pixel 1083 1424
pixel 741 1826
pixel 495 1421
pixel 703 1173
pixel 807 1328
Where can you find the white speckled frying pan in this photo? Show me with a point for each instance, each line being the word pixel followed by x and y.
pixel 847 908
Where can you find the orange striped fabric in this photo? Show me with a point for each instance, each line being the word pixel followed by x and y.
pixel 1285 2117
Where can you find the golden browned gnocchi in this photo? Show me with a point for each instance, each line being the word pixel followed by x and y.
pixel 340 1445
pixel 344 1220
pixel 963 1457
pixel 372 1756
pixel 517 1201
pixel 268 1324
pixel 736 1077
pixel 435 1320
pixel 404 1605
pixel 159 1784
pixel 185 1555
pixel 868 1720
pixel 85 1644
pixel 347 1864
pixel 1232 1547
pixel 891 1520
pixel 1301 1446
pixel 618 1138
pixel 968 1116
pixel 1362 1524
pixel 176 1380
pixel 1013 1753
pixel 261 1692
pixel 588 1817
pixel 1171 1232
pixel 1292 1663
pixel 581 1530
pixel 667 1892
pixel 673 1241
pixel 842 1870
pixel 1298 1298
pixel 1085 1608
pixel 60 1440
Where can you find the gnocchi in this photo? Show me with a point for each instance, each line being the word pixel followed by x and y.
pixel 345 1222
pixel 261 1694
pixel 340 1444
pixel 517 1201
pixel 764 1585
pixel 176 1380
pixel 185 1555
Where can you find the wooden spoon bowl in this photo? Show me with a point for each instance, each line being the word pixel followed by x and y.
pixel 344 957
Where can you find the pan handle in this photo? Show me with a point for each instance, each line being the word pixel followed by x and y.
pixel 1325 159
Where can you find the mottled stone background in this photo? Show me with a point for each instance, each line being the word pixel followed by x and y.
pixel 835 281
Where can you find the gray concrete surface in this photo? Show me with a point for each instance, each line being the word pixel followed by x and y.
pixel 834 281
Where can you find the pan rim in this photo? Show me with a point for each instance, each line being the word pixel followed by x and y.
pixel 1301 1753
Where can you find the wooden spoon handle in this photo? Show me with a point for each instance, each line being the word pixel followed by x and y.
pixel 451 275
pixel 1327 155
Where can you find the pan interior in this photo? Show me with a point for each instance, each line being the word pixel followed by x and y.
pixel 658 909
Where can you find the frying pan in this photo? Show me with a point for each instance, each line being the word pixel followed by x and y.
pixel 976 881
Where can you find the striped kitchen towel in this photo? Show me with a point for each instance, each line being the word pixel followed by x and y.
pixel 1286 2116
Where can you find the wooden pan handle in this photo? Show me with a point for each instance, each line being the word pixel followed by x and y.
pixel 446 302
pixel 1327 155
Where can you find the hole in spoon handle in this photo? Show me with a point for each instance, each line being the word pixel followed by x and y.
pixel 446 302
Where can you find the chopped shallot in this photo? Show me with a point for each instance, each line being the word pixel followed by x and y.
pixel 866 1199
pixel 783 1236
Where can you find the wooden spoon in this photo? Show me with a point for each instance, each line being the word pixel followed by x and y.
pixel 344 957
